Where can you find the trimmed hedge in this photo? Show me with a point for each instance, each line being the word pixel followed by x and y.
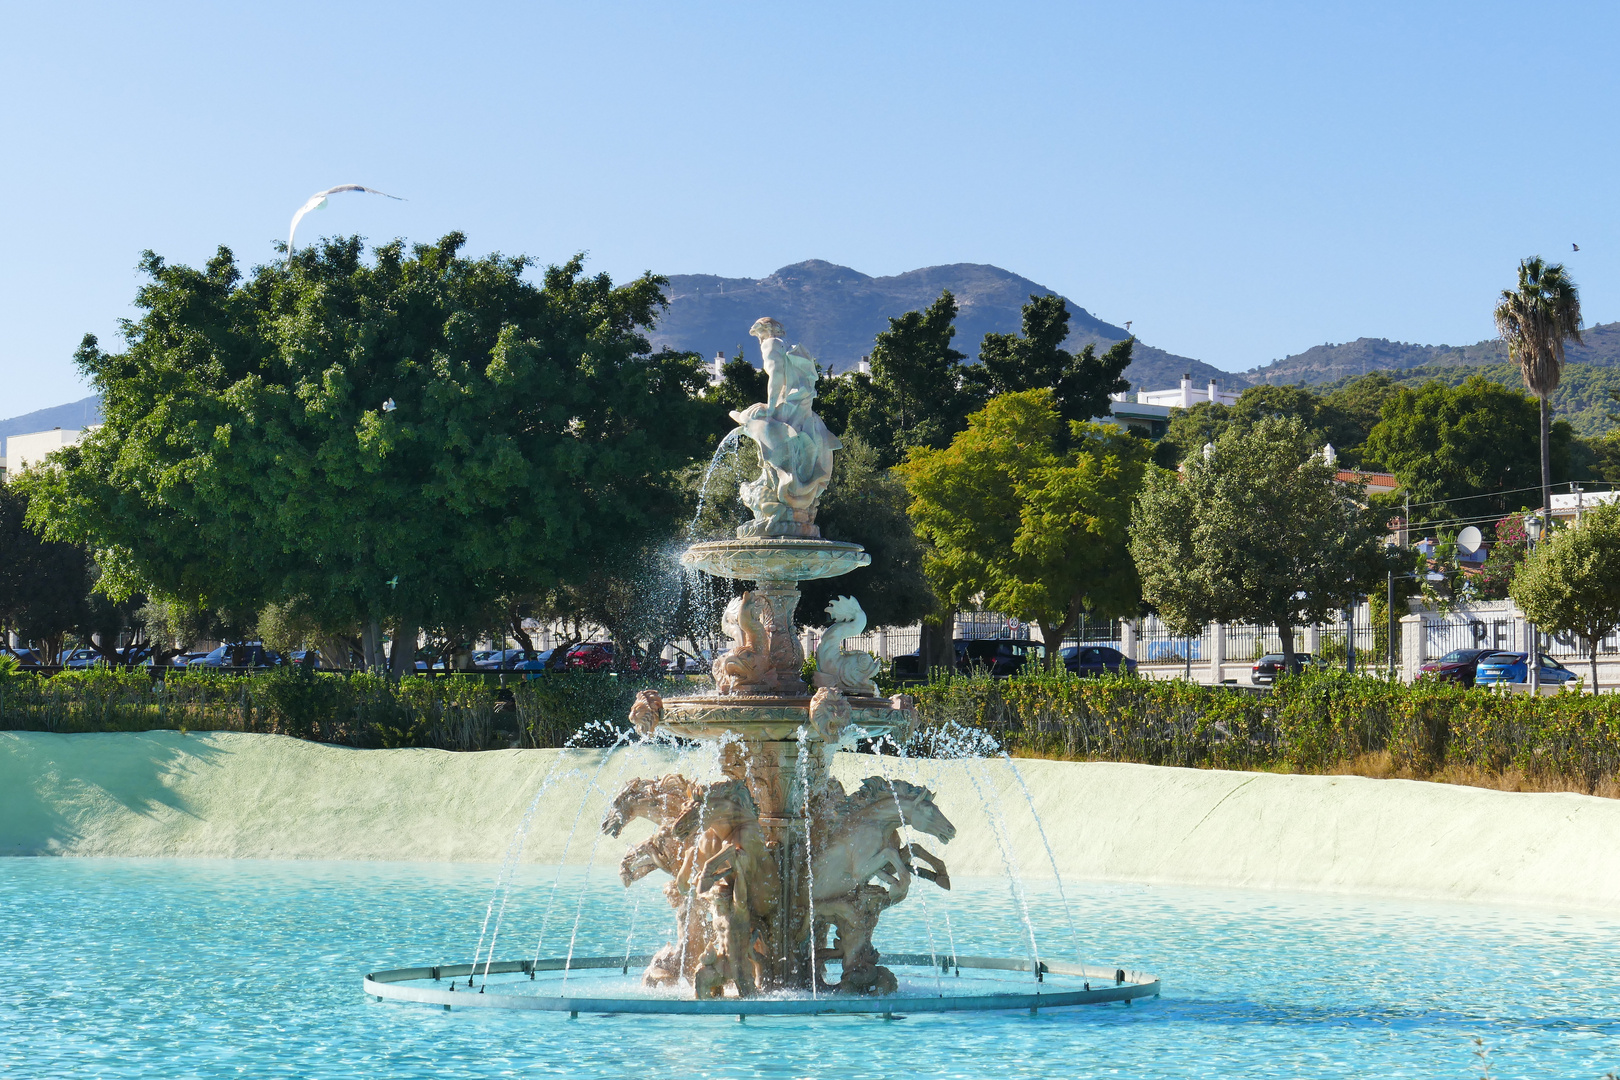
pixel 1308 723
pixel 358 710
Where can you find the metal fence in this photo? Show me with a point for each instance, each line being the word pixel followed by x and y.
pixel 1156 644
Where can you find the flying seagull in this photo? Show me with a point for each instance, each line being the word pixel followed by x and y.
pixel 1576 247
pixel 318 201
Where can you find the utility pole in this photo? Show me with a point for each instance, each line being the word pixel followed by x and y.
pixel 1389 610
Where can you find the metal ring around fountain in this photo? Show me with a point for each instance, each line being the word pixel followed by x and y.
pixel 1120 986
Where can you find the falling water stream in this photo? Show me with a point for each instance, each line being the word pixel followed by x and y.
pixel 563 858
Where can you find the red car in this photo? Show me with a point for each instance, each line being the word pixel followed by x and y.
pixel 591 656
pixel 1456 666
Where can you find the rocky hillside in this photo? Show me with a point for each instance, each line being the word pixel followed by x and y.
pixel 836 312
pixel 1330 363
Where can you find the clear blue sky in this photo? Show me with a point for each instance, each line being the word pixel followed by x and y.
pixel 1242 181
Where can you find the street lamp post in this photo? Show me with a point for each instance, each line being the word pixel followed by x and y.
pixel 1533 526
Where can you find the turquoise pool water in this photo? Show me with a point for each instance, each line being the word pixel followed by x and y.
pixel 149 968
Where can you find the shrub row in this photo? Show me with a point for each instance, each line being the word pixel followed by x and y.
pixel 1309 723
pixel 358 710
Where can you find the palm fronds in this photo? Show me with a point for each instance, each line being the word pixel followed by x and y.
pixel 1536 318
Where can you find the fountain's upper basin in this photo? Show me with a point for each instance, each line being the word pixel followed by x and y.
pixel 775 718
pixel 776 558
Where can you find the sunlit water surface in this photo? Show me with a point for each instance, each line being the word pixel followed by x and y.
pixel 242 968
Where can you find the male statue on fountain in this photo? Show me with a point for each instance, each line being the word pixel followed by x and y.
pixel 794 444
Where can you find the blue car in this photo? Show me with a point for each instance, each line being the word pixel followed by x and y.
pixel 1510 667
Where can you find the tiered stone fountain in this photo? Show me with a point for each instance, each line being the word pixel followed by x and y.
pixel 775 871
pixel 766 864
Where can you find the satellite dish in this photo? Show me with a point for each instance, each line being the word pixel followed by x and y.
pixel 1468 540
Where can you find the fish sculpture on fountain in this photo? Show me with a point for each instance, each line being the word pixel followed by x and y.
pixel 768 863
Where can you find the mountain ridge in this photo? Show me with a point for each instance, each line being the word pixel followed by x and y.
pixel 836 312
pixel 1333 362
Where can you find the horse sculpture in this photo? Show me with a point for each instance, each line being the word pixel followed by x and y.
pixel 864 844
pixel 709 842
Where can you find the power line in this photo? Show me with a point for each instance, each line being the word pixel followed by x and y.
pixel 1494 494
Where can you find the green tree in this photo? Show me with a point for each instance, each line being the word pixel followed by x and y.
pixel 1035 360
pixel 1463 452
pixel 1259 532
pixel 400 442
pixel 1189 430
pixel 1325 419
pixel 921 378
pixel 1571 582
pixel 1534 320
pixel 741 384
pixel 43 583
pixel 1027 522
pixel 866 504
pixel 1353 410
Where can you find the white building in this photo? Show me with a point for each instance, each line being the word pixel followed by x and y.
pixel 1186 396
pixel 23 451
pixel 1148 411
pixel 1567 508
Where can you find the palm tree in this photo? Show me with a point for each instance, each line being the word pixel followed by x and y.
pixel 1534 320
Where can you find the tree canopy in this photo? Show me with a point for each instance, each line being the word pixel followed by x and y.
pixel 399 441
pixel 1258 532
pixel 1464 452
pixel 1036 360
pixel 1571 581
pixel 1026 521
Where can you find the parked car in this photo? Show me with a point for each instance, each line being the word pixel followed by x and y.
pixel 498 660
pixel 534 665
pixel 240 654
pixel 1268 667
pixel 1456 666
pixel 78 658
pixel 591 656
pixel 1096 659
pixel 1000 657
pixel 26 657
pixel 186 658
pixel 297 657
pixel 1511 667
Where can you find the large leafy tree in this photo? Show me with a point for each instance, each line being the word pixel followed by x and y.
pixel 1535 320
pixel 1571 582
pixel 866 504
pixel 1465 452
pixel 1028 515
pixel 43 583
pixel 920 379
pixel 1256 532
pixel 1035 360
pixel 400 442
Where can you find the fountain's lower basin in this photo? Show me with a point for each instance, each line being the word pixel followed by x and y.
pixel 775 718
pixel 931 984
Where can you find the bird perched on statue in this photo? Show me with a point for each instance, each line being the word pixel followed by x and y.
pixel 317 201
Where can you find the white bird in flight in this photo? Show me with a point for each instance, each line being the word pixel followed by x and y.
pixel 318 200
